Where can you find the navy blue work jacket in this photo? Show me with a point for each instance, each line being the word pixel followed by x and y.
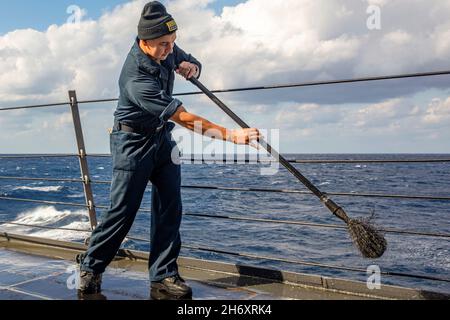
pixel 146 88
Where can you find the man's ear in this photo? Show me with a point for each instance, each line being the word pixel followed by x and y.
pixel 145 43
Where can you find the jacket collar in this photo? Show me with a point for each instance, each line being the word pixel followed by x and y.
pixel 144 61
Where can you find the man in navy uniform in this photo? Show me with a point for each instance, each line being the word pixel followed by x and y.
pixel 141 147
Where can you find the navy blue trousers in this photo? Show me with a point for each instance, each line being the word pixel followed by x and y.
pixel 138 159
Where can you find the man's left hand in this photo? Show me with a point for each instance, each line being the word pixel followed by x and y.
pixel 188 70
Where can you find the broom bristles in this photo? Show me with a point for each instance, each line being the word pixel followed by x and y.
pixel 370 242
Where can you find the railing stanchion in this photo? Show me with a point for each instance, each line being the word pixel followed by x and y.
pixel 83 159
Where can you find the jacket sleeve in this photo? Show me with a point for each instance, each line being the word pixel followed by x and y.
pixel 181 56
pixel 149 96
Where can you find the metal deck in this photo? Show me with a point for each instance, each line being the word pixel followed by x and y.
pixel 25 277
pixel 35 269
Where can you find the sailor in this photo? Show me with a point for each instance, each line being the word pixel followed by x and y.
pixel 141 148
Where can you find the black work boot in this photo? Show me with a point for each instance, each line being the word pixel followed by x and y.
pixel 172 288
pixel 90 283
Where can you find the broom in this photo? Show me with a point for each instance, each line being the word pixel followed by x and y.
pixel 370 242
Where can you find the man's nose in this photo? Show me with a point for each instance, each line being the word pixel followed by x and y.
pixel 172 45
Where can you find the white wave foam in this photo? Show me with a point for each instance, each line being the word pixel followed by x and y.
pixel 77 195
pixel 42 189
pixel 65 234
pixel 50 216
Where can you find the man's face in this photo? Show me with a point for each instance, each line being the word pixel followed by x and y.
pixel 160 48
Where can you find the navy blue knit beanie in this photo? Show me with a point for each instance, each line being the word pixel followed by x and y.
pixel 155 22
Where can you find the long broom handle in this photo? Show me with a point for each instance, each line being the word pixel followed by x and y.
pixel 332 206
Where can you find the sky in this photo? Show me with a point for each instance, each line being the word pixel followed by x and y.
pixel 41 14
pixel 23 14
pixel 47 49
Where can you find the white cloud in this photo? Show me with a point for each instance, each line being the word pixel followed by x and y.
pixel 258 41
pixel 254 42
pixel 438 111
pixel 377 2
pixel 63 120
pixel 86 56
pixel 291 115
pixel 379 113
pixel 392 115
pixel 398 37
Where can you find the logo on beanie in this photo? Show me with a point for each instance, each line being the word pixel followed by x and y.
pixel 172 25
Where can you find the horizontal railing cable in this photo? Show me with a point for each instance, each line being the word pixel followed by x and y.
pixel 293 191
pixel 98 101
pixel 265 161
pixel 36 106
pixel 299 262
pixel 41 179
pixel 71 204
pixel 316 225
pixel 393 196
pixel 267 87
pixel 302 84
pixel 31 156
pixel 347 194
pixel 307 161
pixel 246 161
pixel 98 155
pixel 246 189
pixel 301 223
pixel 289 222
pixel 44 227
pixel 320 83
pixel 371 161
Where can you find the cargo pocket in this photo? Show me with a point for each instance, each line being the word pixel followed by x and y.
pixel 127 150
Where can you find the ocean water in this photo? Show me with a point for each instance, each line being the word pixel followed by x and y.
pixel 421 255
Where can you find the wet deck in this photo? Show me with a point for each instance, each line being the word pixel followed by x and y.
pixel 37 269
pixel 28 277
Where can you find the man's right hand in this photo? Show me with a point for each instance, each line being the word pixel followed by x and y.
pixel 244 136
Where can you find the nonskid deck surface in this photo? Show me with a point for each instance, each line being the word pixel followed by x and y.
pixel 40 268
pixel 29 277
pixel 24 276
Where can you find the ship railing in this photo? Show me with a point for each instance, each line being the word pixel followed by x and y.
pixel 89 204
